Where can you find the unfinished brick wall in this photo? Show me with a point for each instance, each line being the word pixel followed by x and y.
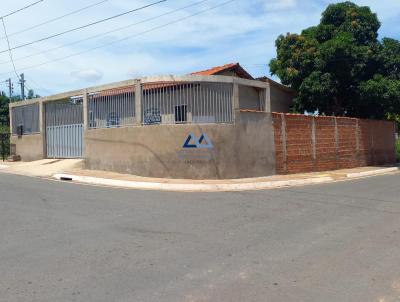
pixel 307 144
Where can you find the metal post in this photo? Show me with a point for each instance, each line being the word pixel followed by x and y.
pixel 22 83
pixel 10 88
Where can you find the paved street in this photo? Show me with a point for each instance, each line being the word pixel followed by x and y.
pixel 67 242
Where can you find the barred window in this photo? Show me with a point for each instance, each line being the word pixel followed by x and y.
pixel 25 119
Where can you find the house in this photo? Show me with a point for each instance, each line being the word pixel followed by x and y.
pixel 185 108
pixel 159 126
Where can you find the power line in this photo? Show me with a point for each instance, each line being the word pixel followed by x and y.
pixel 85 26
pixel 9 47
pixel 38 85
pixel 126 38
pixel 55 19
pixel 21 9
pixel 106 33
pixel 20 78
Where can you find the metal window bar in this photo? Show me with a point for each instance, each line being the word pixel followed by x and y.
pixel 27 117
pixel 112 108
pixel 179 102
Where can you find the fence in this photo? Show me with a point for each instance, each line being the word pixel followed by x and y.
pixel 66 118
pixel 177 103
pixel 25 118
pixel 161 102
pixel 64 112
pixel 112 108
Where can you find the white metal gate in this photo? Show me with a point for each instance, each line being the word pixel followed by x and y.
pixel 65 141
pixel 64 129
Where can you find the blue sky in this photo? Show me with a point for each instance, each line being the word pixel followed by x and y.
pixel 240 31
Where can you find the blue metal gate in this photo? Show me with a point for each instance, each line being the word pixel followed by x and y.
pixel 64 129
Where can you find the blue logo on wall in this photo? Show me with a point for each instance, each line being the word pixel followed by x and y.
pixel 193 142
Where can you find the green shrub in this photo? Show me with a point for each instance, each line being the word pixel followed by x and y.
pixel 4 142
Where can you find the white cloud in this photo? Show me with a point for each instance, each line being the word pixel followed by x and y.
pixel 88 75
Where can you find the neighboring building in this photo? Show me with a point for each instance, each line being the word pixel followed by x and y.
pixel 281 96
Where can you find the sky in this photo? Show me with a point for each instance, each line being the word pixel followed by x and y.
pixel 173 37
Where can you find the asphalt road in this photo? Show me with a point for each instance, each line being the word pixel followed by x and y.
pixel 332 242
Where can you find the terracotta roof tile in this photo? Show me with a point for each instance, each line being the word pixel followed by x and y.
pixel 232 66
pixel 215 70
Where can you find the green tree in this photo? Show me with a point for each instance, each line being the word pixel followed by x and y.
pixel 4 117
pixel 340 67
pixel 32 95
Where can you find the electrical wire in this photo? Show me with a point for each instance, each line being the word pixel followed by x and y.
pixel 6 36
pixel 21 9
pixel 85 26
pixel 54 19
pixel 9 48
pixel 37 85
pixel 106 33
pixel 126 38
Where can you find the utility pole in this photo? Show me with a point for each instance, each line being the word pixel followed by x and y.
pixel 22 83
pixel 10 86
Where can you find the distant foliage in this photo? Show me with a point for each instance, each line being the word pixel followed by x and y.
pixel 339 67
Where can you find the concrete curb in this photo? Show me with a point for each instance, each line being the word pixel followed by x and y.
pixel 195 187
pixel 373 172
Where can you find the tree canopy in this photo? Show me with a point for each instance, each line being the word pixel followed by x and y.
pixel 340 67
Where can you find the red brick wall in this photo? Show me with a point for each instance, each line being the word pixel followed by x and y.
pixel 306 144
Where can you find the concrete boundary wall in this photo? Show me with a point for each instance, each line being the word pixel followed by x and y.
pixel 29 147
pixel 240 150
pixel 307 144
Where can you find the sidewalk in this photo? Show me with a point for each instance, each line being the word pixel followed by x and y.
pixel 71 170
pixel 41 168
pixel 103 178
